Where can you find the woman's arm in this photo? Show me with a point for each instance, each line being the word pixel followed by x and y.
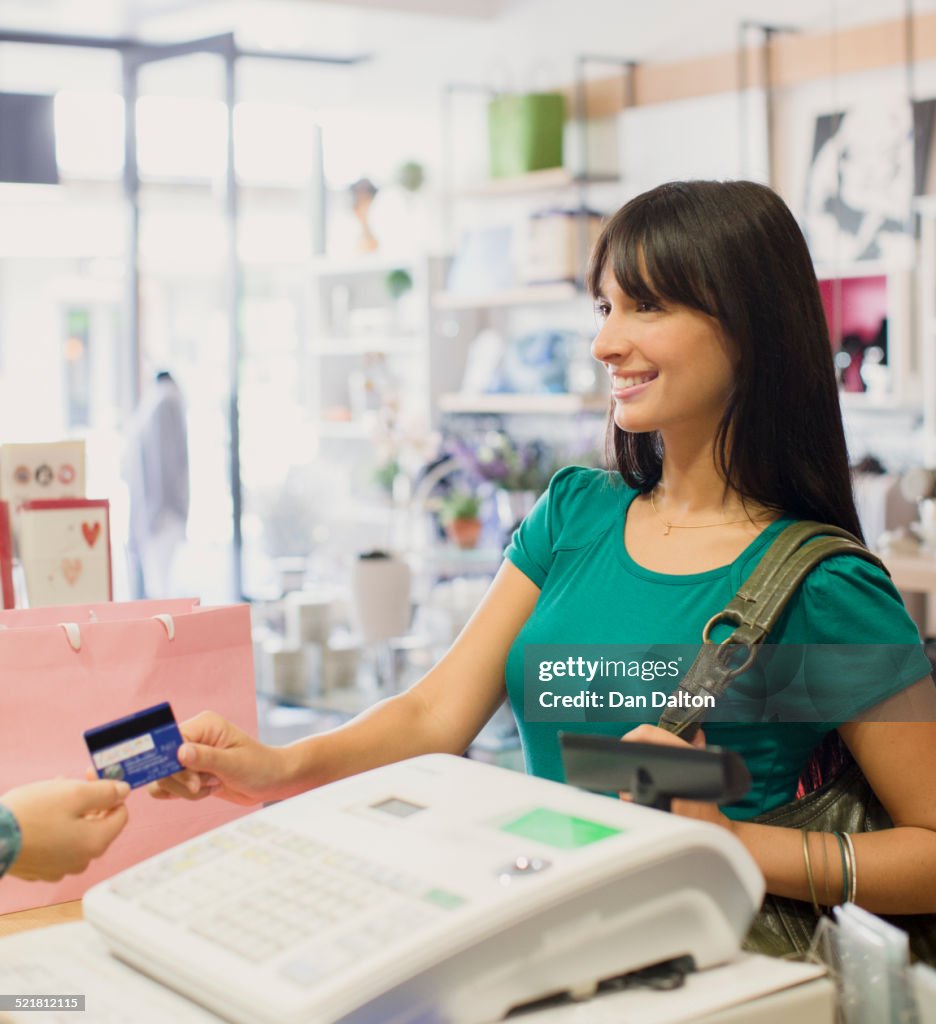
pixel 896 868
pixel 443 712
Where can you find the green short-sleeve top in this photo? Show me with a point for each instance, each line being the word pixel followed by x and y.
pixel 571 546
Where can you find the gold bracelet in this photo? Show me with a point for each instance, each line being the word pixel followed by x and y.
pixel 809 874
pixel 825 870
pixel 853 866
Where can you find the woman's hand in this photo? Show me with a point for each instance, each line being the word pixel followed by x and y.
pixel 687 808
pixel 64 825
pixel 221 760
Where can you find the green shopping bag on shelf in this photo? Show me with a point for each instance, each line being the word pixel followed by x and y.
pixel 525 132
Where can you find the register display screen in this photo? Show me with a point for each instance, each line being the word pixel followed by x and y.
pixel 398 808
pixel 561 831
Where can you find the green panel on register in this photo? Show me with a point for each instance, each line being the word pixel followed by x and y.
pixel 561 831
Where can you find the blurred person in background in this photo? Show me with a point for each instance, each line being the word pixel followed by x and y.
pixel 157 472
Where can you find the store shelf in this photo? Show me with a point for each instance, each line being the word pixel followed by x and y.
pixel 553 179
pixel 361 510
pixel 564 404
pixel 406 344
pixel 530 295
pixel 345 429
pixel 365 263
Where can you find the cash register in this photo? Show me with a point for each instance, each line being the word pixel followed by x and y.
pixel 437 889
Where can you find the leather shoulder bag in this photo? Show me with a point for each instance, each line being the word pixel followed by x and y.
pixel 846 803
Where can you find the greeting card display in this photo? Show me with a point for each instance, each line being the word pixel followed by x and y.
pixel 38 472
pixel 64 548
pixel 6 558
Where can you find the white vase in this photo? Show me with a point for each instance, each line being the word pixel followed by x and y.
pixel 380 592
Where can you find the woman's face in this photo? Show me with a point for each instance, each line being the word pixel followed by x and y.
pixel 671 367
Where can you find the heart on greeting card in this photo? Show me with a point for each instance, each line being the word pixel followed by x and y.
pixel 90 531
pixel 71 569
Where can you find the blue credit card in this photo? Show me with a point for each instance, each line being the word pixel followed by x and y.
pixel 139 748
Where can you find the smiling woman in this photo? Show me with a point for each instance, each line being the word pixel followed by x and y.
pixel 725 429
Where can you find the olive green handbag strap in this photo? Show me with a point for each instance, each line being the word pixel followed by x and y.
pixel 754 611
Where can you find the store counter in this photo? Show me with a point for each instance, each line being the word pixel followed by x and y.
pixel 40 917
pixel 74 959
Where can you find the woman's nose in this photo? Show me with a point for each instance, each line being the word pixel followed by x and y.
pixel 608 345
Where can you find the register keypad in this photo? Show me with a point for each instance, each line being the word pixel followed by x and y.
pixel 258 890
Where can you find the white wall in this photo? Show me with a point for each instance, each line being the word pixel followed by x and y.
pixel 695 138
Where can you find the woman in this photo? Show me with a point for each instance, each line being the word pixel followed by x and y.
pixel 725 427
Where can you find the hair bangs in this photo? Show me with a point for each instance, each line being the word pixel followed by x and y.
pixel 652 256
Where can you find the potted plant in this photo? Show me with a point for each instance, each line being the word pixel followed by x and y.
pixel 519 470
pixel 398 282
pixel 399 285
pixel 459 513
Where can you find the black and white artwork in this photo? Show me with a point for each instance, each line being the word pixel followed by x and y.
pixel 867 164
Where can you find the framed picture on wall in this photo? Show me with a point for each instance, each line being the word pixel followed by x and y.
pixel 867 164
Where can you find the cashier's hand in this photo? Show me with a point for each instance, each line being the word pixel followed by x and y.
pixel 687 808
pixel 222 760
pixel 64 824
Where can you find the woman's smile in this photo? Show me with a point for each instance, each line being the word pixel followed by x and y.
pixel 629 385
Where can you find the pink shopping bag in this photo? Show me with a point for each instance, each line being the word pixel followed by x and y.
pixel 58 680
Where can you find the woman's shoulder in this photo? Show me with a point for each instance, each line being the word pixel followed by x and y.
pixel 859 643
pixel 850 599
pixel 583 503
pixel 579 505
pixel 573 484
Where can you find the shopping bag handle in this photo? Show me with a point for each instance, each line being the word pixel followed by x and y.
pixel 168 622
pixel 73 633
pixel 73 630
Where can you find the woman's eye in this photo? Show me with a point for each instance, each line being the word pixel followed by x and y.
pixel 646 307
pixel 602 310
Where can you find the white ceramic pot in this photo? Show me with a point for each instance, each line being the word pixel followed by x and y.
pixel 380 593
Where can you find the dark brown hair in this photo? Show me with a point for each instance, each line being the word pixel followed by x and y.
pixel 733 250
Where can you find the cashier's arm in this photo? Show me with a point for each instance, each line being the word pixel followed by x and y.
pixel 443 712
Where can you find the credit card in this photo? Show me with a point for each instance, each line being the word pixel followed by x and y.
pixel 139 748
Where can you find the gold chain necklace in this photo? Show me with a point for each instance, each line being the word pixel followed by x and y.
pixel 697 526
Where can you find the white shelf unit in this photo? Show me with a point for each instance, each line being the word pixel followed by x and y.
pixel 364 340
pixel 523 308
pixel 367 360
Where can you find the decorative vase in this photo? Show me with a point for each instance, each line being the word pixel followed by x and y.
pixel 380 591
